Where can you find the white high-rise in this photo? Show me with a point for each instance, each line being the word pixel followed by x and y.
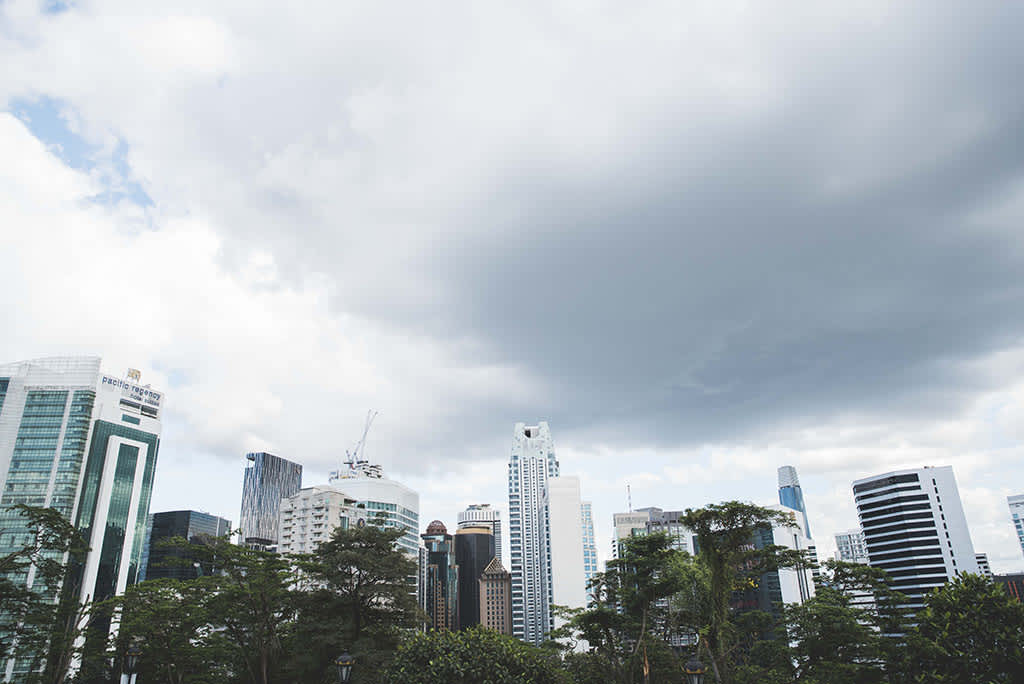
pixel 565 566
pixel 850 547
pixel 1016 503
pixel 308 518
pixel 482 515
pixel 915 529
pixel 531 463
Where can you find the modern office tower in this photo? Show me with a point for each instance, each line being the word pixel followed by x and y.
pixel 984 569
pixel 915 529
pixel 477 515
pixel 1016 504
pixel 565 567
pixel 310 516
pixel 850 547
pixel 496 598
pixel 589 545
pixel 268 480
pixel 442 581
pixel 792 496
pixel 626 525
pixel 176 563
pixel 532 462
pixel 85 444
pixel 670 523
pixel 384 502
pixel 474 550
pixel 785 585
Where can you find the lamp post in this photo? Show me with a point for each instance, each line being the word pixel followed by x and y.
pixel 131 663
pixel 694 671
pixel 344 662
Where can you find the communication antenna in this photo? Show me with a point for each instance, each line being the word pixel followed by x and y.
pixel 629 498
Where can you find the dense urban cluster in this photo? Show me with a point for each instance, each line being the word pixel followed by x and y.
pixel 337 579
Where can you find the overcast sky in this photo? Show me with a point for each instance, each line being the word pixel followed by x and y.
pixel 700 239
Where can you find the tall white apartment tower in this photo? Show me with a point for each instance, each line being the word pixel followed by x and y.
pixel 915 529
pixel 482 515
pixel 531 464
pixel 589 545
pixel 565 563
pixel 1016 504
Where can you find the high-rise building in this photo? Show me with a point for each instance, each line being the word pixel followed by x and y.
pixel 162 562
pixel 915 529
pixel 442 578
pixel 984 569
pixel 310 516
pixel 531 463
pixel 565 566
pixel 589 544
pixel 84 444
pixel 474 550
pixel 1013 585
pixel 851 548
pixel 626 525
pixel 268 480
pixel 792 496
pixel 496 598
pixel 1016 503
pixel 384 502
pixel 793 585
pixel 482 515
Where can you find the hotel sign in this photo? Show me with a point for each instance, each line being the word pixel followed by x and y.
pixel 132 391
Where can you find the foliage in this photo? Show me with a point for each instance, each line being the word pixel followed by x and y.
pixel 472 656
pixel 969 631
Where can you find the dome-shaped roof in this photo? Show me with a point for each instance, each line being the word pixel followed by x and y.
pixel 437 527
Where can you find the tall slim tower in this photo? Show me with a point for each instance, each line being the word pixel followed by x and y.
pixel 482 515
pixel 791 495
pixel 268 480
pixel 915 529
pixel 474 550
pixel 566 571
pixel 531 464
pixel 589 545
pixel 442 578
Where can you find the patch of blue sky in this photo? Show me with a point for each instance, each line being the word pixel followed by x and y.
pixel 52 122
pixel 57 6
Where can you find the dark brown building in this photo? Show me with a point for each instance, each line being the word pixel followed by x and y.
pixel 1012 584
pixel 496 598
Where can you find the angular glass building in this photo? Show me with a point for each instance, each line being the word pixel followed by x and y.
pixel 268 479
pixel 442 578
pixel 160 562
pixel 792 496
pixel 85 444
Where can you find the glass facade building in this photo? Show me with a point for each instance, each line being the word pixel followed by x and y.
pixel 267 480
pixel 474 550
pixel 160 562
pixel 442 578
pixel 791 495
pixel 1016 504
pixel 589 545
pixel 477 515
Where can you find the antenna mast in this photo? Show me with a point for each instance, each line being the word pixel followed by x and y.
pixel 629 498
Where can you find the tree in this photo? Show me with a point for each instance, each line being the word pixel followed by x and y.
pixel 472 656
pixel 355 596
pixel 968 631
pixel 725 534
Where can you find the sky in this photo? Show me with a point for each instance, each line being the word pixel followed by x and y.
pixel 702 240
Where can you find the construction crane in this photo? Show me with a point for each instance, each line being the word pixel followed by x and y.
pixel 357 464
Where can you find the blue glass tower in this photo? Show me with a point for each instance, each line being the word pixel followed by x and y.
pixel 268 480
pixel 791 495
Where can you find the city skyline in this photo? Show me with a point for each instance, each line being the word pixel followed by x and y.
pixel 771 252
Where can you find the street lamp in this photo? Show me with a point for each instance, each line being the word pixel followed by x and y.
pixel 694 671
pixel 344 663
pixel 131 663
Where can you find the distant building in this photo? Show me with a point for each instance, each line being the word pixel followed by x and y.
pixel 384 502
pixel 531 463
pixel 1016 504
pixel 477 515
pixel 915 529
pixel 1013 584
pixel 442 578
pixel 496 598
pixel 791 495
pixel 175 563
pixel 786 585
pixel 984 569
pixel 474 550
pixel 309 517
pixel 565 566
pixel 851 547
pixel 268 479
pixel 626 525
pixel 590 567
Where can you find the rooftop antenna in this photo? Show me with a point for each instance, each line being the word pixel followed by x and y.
pixel 629 498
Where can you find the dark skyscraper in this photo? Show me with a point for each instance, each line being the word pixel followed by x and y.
pixel 441 578
pixel 268 480
pixel 474 549
pixel 178 563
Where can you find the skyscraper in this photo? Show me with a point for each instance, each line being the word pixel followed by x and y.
pixel 565 567
pixel 792 496
pixel 851 548
pixel 477 515
pixel 589 545
pixel 474 550
pixel 174 563
pixel 384 502
pixel 267 480
pixel 1016 503
pixel 310 516
pixel 85 444
pixel 915 529
pixel 496 598
pixel 791 585
pixel 442 578
pixel 531 463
